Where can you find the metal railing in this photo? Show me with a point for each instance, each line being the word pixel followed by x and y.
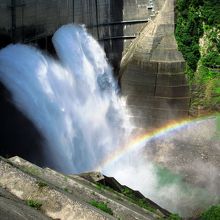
pixel 120 23
pixel 118 38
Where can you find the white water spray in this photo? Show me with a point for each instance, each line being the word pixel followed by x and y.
pixel 73 102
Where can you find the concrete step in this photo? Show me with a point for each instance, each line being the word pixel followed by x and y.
pixel 12 208
pixel 53 202
pixel 152 122
pixel 161 103
pixel 86 191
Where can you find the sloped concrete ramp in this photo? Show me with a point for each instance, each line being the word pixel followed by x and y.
pixel 62 197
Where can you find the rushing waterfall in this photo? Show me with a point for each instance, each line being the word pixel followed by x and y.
pixel 73 102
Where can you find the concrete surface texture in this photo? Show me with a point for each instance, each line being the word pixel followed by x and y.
pixel 61 196
pixel 152 73
pixel 11 208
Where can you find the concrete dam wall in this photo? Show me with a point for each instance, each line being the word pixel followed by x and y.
pixel 114 23
pixel 138 38
pixel 152 73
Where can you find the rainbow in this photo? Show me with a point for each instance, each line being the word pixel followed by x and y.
pixel 140 141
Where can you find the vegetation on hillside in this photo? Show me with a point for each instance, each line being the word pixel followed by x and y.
pixel 166 177
pixel 134 198
pixel 174 217
pixel 213 213
pixel 143 203
pixel 198 38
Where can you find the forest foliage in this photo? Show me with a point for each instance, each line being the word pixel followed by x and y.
pixel 198 37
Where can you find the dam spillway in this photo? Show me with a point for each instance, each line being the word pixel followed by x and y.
pixel 137 36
